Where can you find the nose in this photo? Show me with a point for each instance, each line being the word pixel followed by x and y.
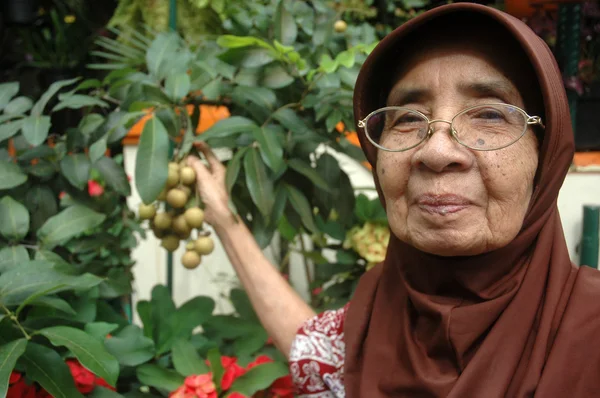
pixel 440 152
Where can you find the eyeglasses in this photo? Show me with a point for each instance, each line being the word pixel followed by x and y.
pixel 482 128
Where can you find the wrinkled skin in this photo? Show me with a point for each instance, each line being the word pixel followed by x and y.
pixel 493 188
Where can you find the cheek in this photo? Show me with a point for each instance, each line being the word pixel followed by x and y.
pixel 393 172
pixel 508 175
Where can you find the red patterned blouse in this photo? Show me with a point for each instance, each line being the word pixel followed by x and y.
pixel 317 356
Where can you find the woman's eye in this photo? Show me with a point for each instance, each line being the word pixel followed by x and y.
pixel 489 115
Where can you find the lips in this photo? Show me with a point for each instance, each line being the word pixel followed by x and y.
pixel 442 204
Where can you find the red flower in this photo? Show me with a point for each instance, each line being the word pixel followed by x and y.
pixel 62 194
pixel 95 189
pixel 203 385
pixel 20 389
pixel 43 394
pixel 317 290
pixel 85 381
pixel 232 371
pixel 14 377
pixel 283 387
pixel 182 392
pixel 259 361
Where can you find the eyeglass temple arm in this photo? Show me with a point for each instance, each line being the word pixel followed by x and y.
pixel 535 120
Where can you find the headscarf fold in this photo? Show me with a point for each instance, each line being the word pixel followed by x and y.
pixel 520 321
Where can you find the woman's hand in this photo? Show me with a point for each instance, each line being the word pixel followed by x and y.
pixel 210 181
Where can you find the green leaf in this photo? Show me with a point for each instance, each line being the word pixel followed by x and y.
pixel 98 149
pixel 35 277
pixel 88 350
pixel 35 129
pixel 188 136
pixel 291 121
pixel 12 256
pixel 251 343
pixel 302 207
pixel 309 172
pixel 114 175
pixel 259 378
pixel 275 76
pixel 233 168
pixel 228 127
pixel 15 219
pixel 186 360
pixel 270 147
pixel 55 303
pixel 181 322
pixel 9 129
pixel 7 91
pixel 39 106
pixel 242 304
pixel 68 223
pixel 9 353
pixel 177 86
pixel 78 101
pixel 145 312
pixel 90 123
pixel 231 41
pixel 18 106
pixel 159 51
pixel 151 164
pixel 100 330
pixel 130 346
pixel 159 377
pixel 285 25
pixel 44 365
pixel 103 392
pixel 345 58
pixel 76 169
pixel 258 182
pixel 261 96
pixel 214 359
pixel 11 175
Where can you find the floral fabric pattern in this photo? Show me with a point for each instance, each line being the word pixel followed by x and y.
pixel 317 356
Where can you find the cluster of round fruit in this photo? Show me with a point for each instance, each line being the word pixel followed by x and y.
pixel 176 214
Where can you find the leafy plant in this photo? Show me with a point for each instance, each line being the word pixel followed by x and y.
pixel 64 248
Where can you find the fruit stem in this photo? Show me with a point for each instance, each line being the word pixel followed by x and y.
pixel 13 318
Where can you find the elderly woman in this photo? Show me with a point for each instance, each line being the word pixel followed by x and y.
pixel 462 114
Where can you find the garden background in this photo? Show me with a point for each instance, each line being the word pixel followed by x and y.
pixel 99 104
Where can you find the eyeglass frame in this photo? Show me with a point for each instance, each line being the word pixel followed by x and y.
pixel 529 121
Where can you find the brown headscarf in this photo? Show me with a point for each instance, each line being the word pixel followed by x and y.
pixel 520 321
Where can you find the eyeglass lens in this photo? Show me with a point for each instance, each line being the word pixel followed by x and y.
pixel 484 127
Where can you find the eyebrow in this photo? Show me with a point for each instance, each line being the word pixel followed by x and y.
pixel 401 96
pixel 496 88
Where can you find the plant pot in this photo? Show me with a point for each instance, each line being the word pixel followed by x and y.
pixel 20 11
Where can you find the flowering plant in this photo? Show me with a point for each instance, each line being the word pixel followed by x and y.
pixel 207 386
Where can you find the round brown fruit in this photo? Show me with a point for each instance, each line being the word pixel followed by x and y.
pixel 174 166
pixel 204 245
pixel 170 242
pixel 162 196
pixel 162 221
pixel 159 233
pixel 146 212
pixel 176 198
pixel 185 189
pixel 189 246
pixel 194 216
pixel 187 175
pixel 173 177
pixel 340 26
pixel 190 259
pixel 180 225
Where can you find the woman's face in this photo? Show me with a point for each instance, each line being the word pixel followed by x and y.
pixel 442 197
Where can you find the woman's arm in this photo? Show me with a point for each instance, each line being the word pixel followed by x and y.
pixel 280 309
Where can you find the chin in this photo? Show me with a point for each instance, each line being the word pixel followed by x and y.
pixel 446 249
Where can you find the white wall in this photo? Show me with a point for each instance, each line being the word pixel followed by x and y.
pixel 215 275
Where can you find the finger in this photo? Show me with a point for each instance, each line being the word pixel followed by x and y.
pixel 215 164
pixel 202 172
